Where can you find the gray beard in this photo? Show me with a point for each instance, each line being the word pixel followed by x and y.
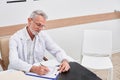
pixel 33 32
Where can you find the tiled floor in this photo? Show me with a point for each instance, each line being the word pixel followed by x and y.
pixel 116 68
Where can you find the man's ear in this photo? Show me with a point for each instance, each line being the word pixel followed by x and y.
pixel 29 20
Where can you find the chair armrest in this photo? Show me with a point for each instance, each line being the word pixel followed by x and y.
pixel 2 64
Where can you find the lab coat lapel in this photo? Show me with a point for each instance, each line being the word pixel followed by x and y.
pixel 25 50
pixel 24 47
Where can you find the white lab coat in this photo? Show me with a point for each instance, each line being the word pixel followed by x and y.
pixel 18 50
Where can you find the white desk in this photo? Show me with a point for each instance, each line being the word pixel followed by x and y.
pixel 16 75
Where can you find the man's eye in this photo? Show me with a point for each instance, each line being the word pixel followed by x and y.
pixel 38 24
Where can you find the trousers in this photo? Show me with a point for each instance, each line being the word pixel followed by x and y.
pixel 78 72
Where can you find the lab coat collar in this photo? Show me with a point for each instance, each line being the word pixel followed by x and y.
pixel 25 35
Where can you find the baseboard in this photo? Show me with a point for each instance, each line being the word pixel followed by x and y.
pixel 116 51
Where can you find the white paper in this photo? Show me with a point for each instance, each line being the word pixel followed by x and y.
pixel 52 74
pixel 53 67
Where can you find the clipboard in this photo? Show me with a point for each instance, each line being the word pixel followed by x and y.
pixel 52 75
pixel 43 77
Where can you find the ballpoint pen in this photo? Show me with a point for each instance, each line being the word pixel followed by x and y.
pixel 41 64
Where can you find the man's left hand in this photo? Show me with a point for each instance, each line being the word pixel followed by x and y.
pixel 64 66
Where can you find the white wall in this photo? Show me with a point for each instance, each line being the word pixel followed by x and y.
pixel 15 13
pixel 69 38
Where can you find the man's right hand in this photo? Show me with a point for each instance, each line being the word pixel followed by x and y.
pixel 41 70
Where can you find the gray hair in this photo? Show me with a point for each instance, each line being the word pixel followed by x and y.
pixel 38 12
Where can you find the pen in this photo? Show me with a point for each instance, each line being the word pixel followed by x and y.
pixel 44 67
pixel 41 64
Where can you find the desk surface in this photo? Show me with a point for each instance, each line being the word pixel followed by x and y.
pixel 77 72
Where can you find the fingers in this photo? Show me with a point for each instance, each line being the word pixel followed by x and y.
pixel 64 67
pixel 43 70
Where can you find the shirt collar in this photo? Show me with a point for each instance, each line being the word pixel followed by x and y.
pixel 27 36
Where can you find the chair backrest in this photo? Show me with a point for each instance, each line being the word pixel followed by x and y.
pixel 4 48
pixel 97 43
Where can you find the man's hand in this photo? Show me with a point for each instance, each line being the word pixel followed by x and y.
pixel 41 70
pixel 64 66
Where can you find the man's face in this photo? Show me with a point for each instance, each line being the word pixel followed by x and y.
pixel 37 24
